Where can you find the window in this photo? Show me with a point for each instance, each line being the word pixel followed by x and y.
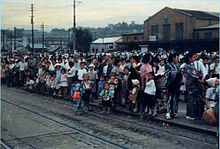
pixel 154 31
pixel 110 47
pixel 179 31
pixel 166 32
pixel 208 35
pixel 135 38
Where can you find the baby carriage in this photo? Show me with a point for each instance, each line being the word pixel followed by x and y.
pixel 76 94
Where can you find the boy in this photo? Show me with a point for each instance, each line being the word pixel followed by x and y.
pixel 106 97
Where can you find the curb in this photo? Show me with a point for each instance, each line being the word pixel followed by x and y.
pixel 158 120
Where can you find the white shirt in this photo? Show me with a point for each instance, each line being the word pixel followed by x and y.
pixel 21 66
pixel 80 73
pixel 11 66
pixel 210 94
pixel 200 67
pixel 105 70
pixel 51 68
pixel 217 69
pixel 150 88
pixel 71 72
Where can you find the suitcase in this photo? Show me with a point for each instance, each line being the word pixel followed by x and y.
pixel 209 117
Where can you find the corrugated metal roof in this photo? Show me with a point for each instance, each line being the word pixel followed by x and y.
pixel 37 46
pixel 209 26
pixel 201 14
pixel 107 40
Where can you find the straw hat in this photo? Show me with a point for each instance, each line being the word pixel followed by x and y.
pixel 91 65
pixel 135 82
pixel 211 82
pixel 57 64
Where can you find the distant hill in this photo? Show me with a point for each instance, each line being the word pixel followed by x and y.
pixel 115 30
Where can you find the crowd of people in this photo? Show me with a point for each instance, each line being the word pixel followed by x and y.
pixel 144 83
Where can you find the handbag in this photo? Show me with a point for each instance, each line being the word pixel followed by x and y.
pixel 209 117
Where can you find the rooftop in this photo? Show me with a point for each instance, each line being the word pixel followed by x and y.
pixel 106 40
pixel 213 26
pixel 201 14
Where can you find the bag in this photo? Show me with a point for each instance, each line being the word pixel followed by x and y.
pixel 209 117
pixel 76 95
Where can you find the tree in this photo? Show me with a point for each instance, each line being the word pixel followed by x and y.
pixel 83 40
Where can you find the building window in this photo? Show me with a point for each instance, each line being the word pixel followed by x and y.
pixel 154 31
pixel 135 38
pixel 179 31
pixel 110 47
pixel 208 35
pixel 166 32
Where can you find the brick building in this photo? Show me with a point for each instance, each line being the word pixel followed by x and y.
pixel 133 37
pixel 177 24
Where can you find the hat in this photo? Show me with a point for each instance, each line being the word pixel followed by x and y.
pixel 57 64
pixel 92 65
pixel 135 82
pixel 211 82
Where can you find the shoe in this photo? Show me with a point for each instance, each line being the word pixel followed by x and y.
pixel 154 114
pixel 150 112
pixel 190 118
pixel 78 113
pixel 168 116
pixel 103 112
pixel 135 110
pixel 175 115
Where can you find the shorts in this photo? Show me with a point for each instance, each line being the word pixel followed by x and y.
pixel 150 100
pixel 106 103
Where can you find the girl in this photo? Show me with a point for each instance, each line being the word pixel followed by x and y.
pixel 133 94
pixel 86 91
pixel 150 94
pixel 106 98
pixel 64 82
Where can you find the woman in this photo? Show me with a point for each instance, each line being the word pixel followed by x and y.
pixel 194 80
pixel 145 69
pixel 173 79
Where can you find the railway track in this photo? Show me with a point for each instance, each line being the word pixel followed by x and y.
pixel 139 125
pixel 4 145
pixel 113 119
pixel 64 125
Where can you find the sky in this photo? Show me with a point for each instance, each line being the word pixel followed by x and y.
pixel 90 13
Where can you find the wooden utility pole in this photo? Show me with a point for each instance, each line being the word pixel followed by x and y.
pixel 32 24
pixel 11 41
pixel 42 27
pixel 14 38
pixel 3 40
pixel 74 25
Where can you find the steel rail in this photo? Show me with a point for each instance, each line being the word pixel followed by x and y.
pixel 67 126
pixel 140 125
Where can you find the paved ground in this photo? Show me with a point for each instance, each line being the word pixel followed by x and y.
pixel 22 129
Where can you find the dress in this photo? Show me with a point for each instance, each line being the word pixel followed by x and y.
pixel 195 104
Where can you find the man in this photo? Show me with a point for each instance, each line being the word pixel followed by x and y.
pixel 215 68
pixel 32 66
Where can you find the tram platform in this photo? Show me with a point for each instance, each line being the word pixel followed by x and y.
pixel 181 122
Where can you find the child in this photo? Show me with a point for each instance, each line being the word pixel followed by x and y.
pixel 29 85
pixel 76 92
pixel 212 93
pixel 133 95
pixel 101 84
pixel 93 76
pixel 64 82
pixel 113 82
pixel 150 94
pixel 106 97
pixel 86 91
